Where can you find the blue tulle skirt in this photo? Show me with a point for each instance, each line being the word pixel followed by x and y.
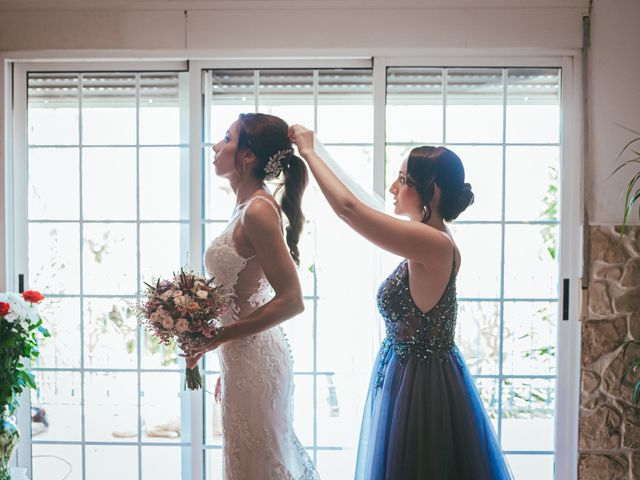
pixel 424 419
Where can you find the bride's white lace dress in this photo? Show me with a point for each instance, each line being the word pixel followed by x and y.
pixel 257 375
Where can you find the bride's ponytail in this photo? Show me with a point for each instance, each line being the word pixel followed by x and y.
pixel 267 136
pixel 295 182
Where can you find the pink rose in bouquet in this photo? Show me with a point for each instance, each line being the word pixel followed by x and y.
pixel 184 310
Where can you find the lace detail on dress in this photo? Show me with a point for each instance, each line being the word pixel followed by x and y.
pixel 259 442
pixel 223 262
pixel 263 294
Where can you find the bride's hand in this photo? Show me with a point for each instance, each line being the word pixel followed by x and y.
pixel 196 351
pixel 192 360
pixel 302 137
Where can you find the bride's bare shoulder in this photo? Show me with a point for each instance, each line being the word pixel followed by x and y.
pixel 261 212
pixel 261 205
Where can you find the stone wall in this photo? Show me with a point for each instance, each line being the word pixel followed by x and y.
pixel 609 429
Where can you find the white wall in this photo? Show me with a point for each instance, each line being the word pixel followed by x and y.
pixel 288 26
pixel 614 95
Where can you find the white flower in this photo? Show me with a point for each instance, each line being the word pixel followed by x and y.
pixel 202 294
pixel 19 309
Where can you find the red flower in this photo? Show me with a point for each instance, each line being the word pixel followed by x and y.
pixel 4 309
pixel 32 296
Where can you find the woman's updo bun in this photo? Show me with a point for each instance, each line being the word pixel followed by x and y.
pixel 429 166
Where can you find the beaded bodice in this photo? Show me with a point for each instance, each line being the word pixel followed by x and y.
pixel 409 330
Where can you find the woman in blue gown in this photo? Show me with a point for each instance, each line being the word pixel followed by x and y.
pixel 423 417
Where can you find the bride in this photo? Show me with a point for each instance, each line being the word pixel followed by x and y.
pixel 252 262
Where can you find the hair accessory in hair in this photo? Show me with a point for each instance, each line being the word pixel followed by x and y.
pixel 273 168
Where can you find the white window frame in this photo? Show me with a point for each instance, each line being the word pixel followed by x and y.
pixel 14 91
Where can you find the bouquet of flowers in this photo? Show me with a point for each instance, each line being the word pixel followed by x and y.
pixel 183 310
pixel 20 324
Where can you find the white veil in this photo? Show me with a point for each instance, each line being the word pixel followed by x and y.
pixel 348 330
pixel 373 199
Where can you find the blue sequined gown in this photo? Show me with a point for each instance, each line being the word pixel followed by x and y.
pixel 424 418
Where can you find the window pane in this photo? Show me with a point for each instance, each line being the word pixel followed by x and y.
pixel 109 183
pixel 160 407
pixel 161 462
pixel 56 461
pixel 531 267
pixel 528 406
pixel 532 467
pixel 54 184
pixel 474 105
pixel 345 106
pixel 213 465
pixel 53 109
pixel 530 336
pixel 111 414
pixel 161 245
pixel 287 94
pixel 340 401
pixel 109 462
pixel 110 332
pixel 110 258
pixel 54 261
pixel 336 463
pixel 303 409
pixel 414 105
pixel 533 105
pixel 59 396
pixel 160 109
pixel 109 109
pixel 532 183
pixel 164 177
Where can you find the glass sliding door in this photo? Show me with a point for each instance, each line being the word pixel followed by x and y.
pixel 107 166
pixel 504 123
